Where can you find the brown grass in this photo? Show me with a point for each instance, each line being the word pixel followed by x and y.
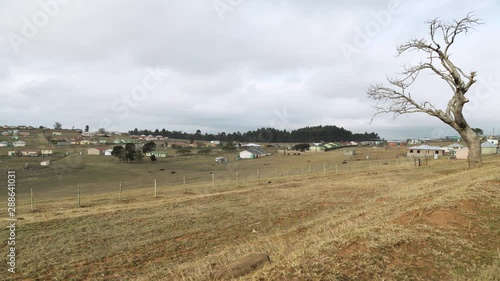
pixel 408 223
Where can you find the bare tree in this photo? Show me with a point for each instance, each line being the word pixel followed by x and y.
pixel 396 98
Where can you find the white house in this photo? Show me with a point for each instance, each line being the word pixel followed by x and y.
pixel 415 141
pixel 488 148
pixel 87 134
pixel 45 163
pixel 108 152
pixel 19 143
pixel 215 142
pixel 47 152
pixel 455 146
pixel 493 141
pixel 4 144
pixel 250 145
pixel 252 153
pixel 157 154
pixel 425 151
pixel 56 133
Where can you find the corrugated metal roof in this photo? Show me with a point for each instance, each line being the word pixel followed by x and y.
pixel 426 147
pixel 488 144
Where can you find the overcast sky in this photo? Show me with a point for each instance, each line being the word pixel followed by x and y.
pixel 232 65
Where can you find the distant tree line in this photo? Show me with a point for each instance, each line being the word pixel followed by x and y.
pixel 307 134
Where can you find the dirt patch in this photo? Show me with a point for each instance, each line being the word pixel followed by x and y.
pixel 352 250
pixel 445 218
pixel 441 218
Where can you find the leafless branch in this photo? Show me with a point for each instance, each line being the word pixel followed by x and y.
pixel 396 99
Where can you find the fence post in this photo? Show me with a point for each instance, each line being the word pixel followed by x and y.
pixel 184 183
pixel 213 180
pixel 324 169
pixel 32 201
pixel 120 191
pixel 155 188
pixel 258 176
pixel 380 164
pixel 276 174
pixel 78 197
pixel 336 169
pixel 237 178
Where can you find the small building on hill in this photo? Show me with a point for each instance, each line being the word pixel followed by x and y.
pixel 29 152
pixel 47 152
pixel 332 146
pixel 455 146
pixel 252 153
pixel 19 143
pixel 488 148
pixel 4 144
pixel 157 154
pixel 425 151
pixel 95 151
pixel 462 154
pixel 396 143
pixel 317 148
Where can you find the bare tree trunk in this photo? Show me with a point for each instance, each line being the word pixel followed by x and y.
pixel 473 142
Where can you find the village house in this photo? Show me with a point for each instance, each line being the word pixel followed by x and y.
pixel 157 154
pixel 56 133
pixel 96 151
pixel 29 152
pixel 4 144
pixel 85 142
pixel 24 134
pixel 488 148
pixel 87 134
pixel 108 152
pixel 214 143
pixel 252 153
pixel 19 143
pixel 396 143
pixel 493 141
pixel 317 148
pixel 425 151
pixel 12 153
pixel 47 152
pixel 414 141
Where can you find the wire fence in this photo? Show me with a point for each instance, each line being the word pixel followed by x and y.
pixel 226 177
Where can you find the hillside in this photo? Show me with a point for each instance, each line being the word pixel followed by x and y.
pixel 412 223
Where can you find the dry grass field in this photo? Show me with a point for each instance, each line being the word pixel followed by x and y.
pixel 436 222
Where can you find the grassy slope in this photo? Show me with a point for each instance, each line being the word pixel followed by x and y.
pixel 425 223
